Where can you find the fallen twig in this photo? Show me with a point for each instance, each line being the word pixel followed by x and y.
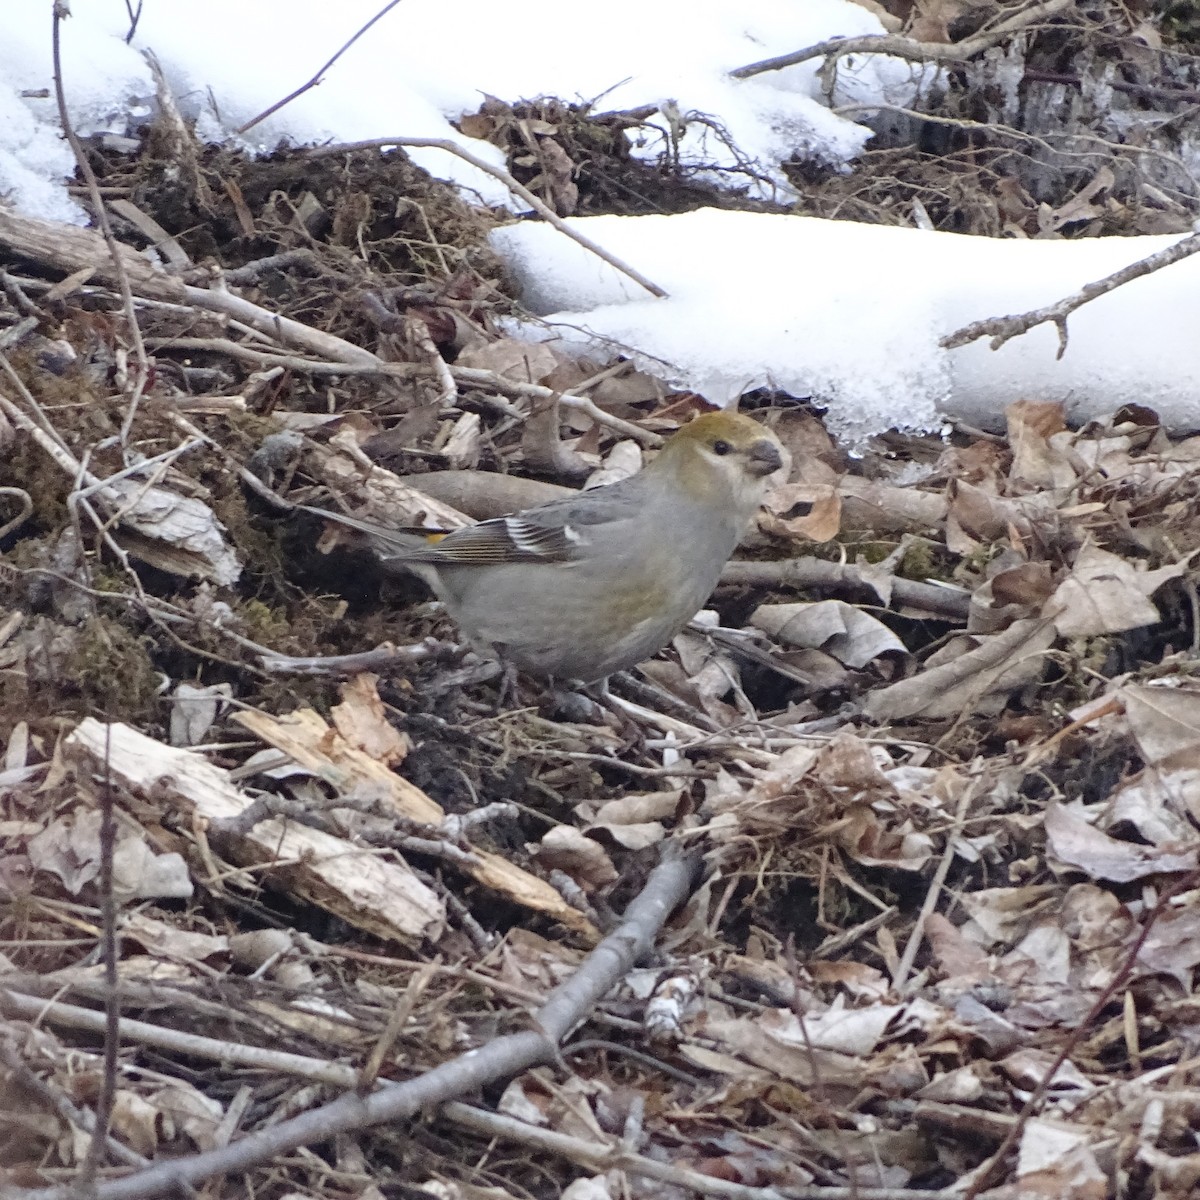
pixel 917 936
pixel 505 1056
pixel 178 1041
pixel 951 602
pixel 598 1157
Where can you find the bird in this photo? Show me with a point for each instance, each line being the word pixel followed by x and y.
pixel 589 584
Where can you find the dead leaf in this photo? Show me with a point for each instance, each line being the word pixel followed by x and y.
pixel 69 847
pixel 1075 843
pixel 979 678
pixel 140 874
pixel 523 362
pixel 1055 1160
pixel 748 1040
pixel 542 446
pixel 567 849
pixel 999 915
pixel 854 1031
pixel 623 461
pixel 194 709
pixel 802 510
pixel 1172 947
pixel 1036 463
pixel 960 961
pixel 1165 721
pixel 1105 593
pixel 169 941
pixel 871 841
pixel 846 632
pixel 1079 207
pixel 1010 595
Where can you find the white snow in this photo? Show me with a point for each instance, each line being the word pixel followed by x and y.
pixel 852 314
pixel 848 314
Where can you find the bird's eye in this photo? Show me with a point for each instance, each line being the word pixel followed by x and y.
pixel 721 448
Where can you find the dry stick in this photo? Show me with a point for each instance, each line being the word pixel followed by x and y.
pixel 368 364
pixel 543 210
pixel 382 658
pixel 26 502
pixel 15 334
pixel 950 602
pixel 906 48
pixel 61 9
pixel 280 328
pixel 423 340
pixel 1003 328
pixel 112 998
pixel 985 1171
pixel 567 1005
pixel 598 1157
pixel 931 896
pixel 316 79
pixel 57 1100
pixel 175 1041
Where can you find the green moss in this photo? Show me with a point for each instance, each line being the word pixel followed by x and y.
pixel 113 672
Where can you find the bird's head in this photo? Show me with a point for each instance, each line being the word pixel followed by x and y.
pixel 723 457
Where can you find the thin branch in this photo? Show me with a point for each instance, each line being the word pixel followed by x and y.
pixel 931 896
pixel 316 79
pixel 112 998
pixel 1002 328
pixel 501 1058
pixel 906 48
pixel 135 15
pixel 951 602
pixel 178 1041
pixel 472 376
pixel 382 658
pixel 548 214
pixel 142 374
pixel 598 1157
pixel 26 502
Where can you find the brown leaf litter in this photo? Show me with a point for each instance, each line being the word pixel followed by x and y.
pixel 937 744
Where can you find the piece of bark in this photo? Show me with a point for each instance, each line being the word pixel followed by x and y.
pixel 364 888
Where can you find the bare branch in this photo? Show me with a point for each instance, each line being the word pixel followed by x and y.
pixel 902 47
pixel 142 374
pixel 597 1157
pixel 567 1005
pixel 316 79
pixel 1002 328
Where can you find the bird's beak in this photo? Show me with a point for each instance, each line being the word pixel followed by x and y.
pixel 763 458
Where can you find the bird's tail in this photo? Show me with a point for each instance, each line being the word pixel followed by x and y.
pixel 390 542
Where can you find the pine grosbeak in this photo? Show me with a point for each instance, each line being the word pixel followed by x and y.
pixel 593 583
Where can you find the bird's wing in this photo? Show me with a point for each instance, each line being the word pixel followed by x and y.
pixel 551 533
pixel 499 541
